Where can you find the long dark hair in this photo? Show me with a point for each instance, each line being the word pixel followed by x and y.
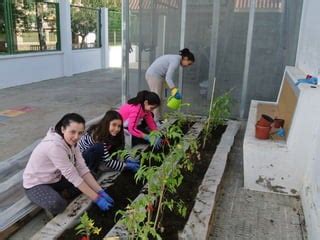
pixel 151 97
pixel 100 131
pixel 186 53
pixel 66 120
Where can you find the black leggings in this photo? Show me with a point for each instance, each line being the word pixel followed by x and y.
pixel 143 127
pixel 48 196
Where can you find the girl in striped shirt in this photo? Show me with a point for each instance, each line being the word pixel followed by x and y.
pixel 103 139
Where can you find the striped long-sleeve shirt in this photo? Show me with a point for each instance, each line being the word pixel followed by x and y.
pixel 86 142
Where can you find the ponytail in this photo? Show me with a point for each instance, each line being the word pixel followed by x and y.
pixel 186 53
pixel 151 97
pixel 66 120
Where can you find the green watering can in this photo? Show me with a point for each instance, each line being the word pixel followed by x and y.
pixel 174 103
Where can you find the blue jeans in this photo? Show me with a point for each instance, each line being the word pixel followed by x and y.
pixel 93 156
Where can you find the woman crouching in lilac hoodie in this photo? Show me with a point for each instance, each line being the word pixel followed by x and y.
pixel 56 169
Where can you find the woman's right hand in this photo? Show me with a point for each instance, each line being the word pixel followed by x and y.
pixel 102 203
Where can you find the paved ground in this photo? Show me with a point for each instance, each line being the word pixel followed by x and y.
pixel 89 94
pixel 243 214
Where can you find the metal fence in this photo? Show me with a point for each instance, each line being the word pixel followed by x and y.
pixel 85 27
pixel 250 61
pixel 114 27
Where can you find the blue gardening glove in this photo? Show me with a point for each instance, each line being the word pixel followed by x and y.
pixel 312 80
pixel 281 132
pixel 102 203
pixel 157 143
pixel 132 166
pixel 178 95
pixel 106 196
pixel 132 159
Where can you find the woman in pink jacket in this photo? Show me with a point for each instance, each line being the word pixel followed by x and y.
pixel 138 117
pixel 56 166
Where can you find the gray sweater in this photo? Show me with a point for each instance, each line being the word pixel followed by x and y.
pixel 165 67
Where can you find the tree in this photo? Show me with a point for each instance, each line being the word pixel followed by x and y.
pixel 84 20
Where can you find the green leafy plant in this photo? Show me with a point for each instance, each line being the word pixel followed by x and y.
pixel 86 227
pixel 219 112
pixel 143 216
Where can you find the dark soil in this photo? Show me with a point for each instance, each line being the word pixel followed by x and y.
pixel 172 222
pixel 121 191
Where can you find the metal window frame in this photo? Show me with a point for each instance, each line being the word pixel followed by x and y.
pixel 9 29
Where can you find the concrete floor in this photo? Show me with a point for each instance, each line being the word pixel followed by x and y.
pixel 243 214
pixel 90 94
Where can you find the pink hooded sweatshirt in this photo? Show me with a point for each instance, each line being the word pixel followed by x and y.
pixel 51 159
pixel 132 116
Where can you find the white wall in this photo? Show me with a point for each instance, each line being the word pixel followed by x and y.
pixel 27 68
pixel 115 56
pixel 308 59
pixel 86 60
pixel 310 196
pixel 308 54
pixel 34 67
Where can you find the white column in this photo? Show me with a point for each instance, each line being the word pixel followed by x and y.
pixel 65 36
pixel 182 38
pixel 104 38
pixel 213 47
pixel 247 59
pixel 125 52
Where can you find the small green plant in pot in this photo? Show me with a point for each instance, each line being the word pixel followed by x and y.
pixel 86 227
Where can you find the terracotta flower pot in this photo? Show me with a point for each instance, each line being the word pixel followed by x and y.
pixel 265 120
pixel 278 123
pixel 262 132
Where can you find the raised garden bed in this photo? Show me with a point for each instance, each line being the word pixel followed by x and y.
pixel 172 223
